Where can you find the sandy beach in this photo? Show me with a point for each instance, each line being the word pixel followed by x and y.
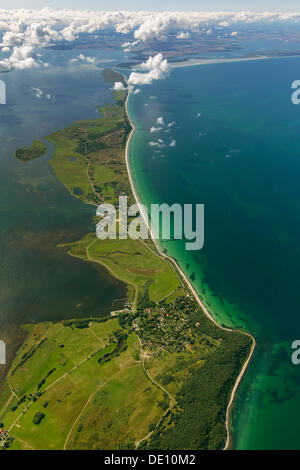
pixel 188 283
pixel 193 62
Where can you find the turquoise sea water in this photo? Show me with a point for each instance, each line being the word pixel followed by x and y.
pixel 238 152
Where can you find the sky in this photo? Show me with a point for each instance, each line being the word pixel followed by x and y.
pixel 156 5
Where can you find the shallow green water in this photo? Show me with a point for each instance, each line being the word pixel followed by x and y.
pixel 241 158
pixel 39 281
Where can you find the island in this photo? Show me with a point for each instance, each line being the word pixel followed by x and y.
pixel 36 150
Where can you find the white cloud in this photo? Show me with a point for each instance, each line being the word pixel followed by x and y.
pixel 159 125
pixel 183 35
pixel 172 143
pixel 225 24
pixel 37 92
pixel 155 68
pixel 21 58
pixel 83 58
pixel 36 29
pixel 155 129
pixel 137 91
pixel 159 143
pixel 128 45
pixel 118 86
pixel 89 60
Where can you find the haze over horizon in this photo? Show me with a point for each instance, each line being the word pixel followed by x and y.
pixel 155 5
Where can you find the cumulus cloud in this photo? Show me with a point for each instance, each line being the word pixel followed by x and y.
pixel 83 58
pixel 159 143
pixel 183 35
pixel 20 58
pixel 162 25
pixel 155 129
pixel 160 125
pixel 118 86
pixel 155 68
pixel 36 29
pixel 89 60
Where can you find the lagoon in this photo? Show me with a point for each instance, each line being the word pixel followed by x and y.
pixel 40 281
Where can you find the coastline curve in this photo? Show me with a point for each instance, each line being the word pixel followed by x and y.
pixel 189 284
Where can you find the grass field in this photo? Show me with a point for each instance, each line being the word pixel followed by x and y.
pixel 74 354
pixel 132 262
pixel 120 413
pixel 89 155
pixel 158 378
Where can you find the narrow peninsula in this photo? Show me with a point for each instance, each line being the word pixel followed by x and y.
pixel 155 373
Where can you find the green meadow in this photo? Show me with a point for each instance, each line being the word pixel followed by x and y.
pixel 120 413
pixel 89 155
pixel 73 354
pixel 126 382
pixel 135 263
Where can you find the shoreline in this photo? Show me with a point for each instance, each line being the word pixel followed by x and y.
pixel 188 283
pixel 194 62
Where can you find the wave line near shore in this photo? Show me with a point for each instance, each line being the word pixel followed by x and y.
pixel 188 283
